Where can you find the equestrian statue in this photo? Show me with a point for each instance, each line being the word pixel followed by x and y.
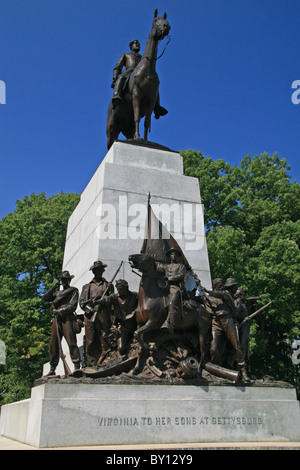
pixel 136 90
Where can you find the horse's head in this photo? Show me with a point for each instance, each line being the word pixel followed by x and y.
pixel 141 261
pixel 161 27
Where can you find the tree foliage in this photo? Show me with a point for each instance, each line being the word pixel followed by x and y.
pixel 253 234
pixel 32 240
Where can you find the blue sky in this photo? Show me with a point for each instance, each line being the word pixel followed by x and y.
pixel 226 80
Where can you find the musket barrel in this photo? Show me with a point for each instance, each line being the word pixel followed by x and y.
pixel 255 313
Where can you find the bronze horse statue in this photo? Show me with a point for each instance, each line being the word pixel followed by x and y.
pixel 152 311
pixel 142 94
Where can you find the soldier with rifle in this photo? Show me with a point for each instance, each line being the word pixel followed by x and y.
pixel 224 325
pixel 97 320
pixel 231 285
pixel 244 317
pixel 241 314
pixel 65 323
pixel 124 304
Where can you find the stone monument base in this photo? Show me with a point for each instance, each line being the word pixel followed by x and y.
pixel 67 413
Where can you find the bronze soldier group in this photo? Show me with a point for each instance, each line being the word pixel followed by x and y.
pixel 110 316
pixel 105 313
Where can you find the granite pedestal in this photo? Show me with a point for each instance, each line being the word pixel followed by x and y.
pixel 109 221
pixel 73 414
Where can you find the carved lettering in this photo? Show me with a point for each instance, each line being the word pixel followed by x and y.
pixel 180 421
pixel 183 421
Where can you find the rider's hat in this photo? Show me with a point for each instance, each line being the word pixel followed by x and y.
pixel 174 250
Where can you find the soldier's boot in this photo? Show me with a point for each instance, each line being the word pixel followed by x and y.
pixel 159 111
pixel 170 328
pixel 243 373
pixel 116 100
pixel 171 323
pixel 51 371
pixel 117 96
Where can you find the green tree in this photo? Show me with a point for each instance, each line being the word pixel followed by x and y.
pixel 251 215
pixel 32 240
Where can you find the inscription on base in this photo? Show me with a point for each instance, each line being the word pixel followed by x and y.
pixel 181 421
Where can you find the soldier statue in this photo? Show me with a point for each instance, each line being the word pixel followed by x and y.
pixel 129 61
pixel 224 324
pixel 124 304
pixel 176 274
pixel 65 323
pixel 97 319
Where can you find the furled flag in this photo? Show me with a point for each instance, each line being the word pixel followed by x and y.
pixel 158 241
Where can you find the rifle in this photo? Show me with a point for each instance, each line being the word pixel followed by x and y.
pixel 93 317
pixel 255 313
pixel 205 293
pixel 61 353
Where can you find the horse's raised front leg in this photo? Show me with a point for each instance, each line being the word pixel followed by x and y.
pixel 149 326
pixel 136 111
pixel 144 348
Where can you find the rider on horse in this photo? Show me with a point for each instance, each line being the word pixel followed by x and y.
pixel 176 274
pixel 129 61
pixel 120 79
